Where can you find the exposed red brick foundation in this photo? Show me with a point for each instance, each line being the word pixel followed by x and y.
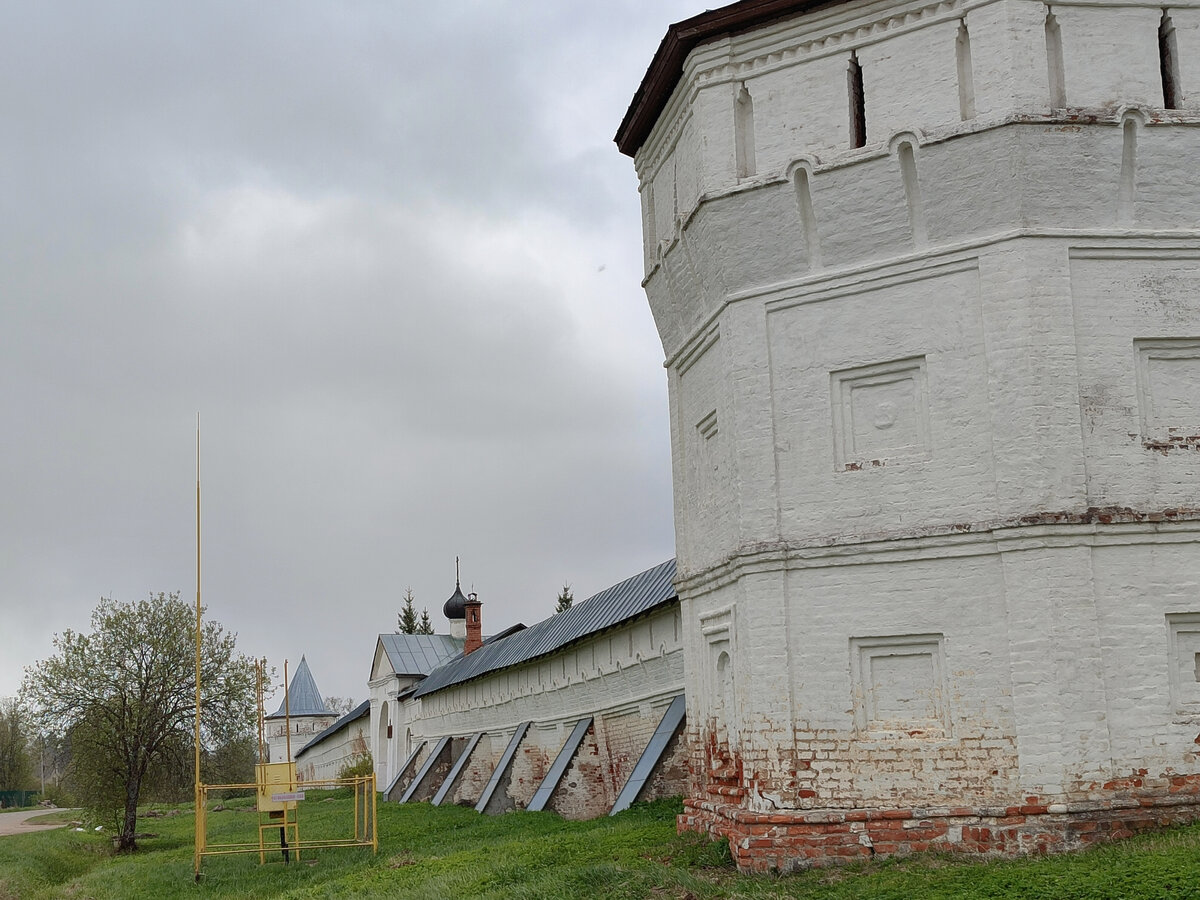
pixel 789 840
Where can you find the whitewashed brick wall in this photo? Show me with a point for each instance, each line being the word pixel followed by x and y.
pixel 625 678
pixel 935 404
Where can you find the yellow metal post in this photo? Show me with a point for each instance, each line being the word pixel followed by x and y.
pixel 259 668
pixel 287 713
pixel 199 798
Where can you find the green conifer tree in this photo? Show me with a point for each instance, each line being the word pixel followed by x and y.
pixel 406 619
pixel 565 599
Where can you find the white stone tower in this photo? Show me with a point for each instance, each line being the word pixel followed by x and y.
pixel 927 278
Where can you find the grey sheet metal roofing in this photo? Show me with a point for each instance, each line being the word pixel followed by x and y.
pixel 622 601
pixel 302 698
pixel 419 654
pixel 363 709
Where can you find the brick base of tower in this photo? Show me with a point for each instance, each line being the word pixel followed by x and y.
pixel 784 841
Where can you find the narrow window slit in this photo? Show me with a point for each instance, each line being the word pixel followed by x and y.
pixel 808 218
pixel 743 126
pixel 1168 61
pixel 912 193
pixel 675 193
pixel 966 78
pixel 651 226
pixel 1128 189
pixel 1054 62
pixel 858 103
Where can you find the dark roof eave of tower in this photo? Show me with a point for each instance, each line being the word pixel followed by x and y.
pixel 683 37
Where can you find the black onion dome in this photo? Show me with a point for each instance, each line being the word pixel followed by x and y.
pixel 456 606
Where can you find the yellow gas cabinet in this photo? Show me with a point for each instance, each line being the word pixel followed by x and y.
pixel 277 797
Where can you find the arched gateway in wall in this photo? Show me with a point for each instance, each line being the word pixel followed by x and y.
pixel 927 278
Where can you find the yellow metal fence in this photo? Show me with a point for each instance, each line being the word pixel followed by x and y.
pixel 279 819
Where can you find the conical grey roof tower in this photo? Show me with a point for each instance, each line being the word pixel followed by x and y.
pixel 303 698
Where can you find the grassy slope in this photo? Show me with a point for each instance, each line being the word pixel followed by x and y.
pixel 453 852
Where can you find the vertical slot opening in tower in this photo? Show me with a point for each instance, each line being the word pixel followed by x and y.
pixel 858 103
pixel 743 125
pixel 1168 61
pixel 912 193
pixel 966 78
pixel 1055 74
pixel 1127 191
pixel 808 218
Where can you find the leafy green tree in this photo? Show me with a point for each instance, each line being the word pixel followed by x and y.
pixel 124 695
pixel 339 706
pixel 425 626
pixel 231 763
pixel 406 620
pixel 171 775
pixel 565 599
pixel 15 768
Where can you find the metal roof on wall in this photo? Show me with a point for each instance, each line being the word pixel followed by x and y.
pixel 358 712
pixel 611 606
pixel 419 654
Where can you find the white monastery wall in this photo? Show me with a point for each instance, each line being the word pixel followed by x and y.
pixel 625 678
pixel 303 729
pixel 335 752
pixel 628 663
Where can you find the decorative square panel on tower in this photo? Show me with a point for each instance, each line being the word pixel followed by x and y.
pixel 899 684
pixel 1184 630
pixel 1168 378
pixel 880 413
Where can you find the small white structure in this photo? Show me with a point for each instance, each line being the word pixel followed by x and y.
pixel 400 661
pixel 306 712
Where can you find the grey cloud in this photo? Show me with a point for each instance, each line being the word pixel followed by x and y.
pixel 362 241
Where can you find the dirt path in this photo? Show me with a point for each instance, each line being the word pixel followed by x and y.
pixel 16 822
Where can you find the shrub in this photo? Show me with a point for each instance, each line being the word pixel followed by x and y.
pixel 358 766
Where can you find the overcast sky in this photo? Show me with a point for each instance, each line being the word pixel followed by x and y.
pixel 389 254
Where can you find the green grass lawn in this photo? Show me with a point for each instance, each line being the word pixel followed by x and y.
pixel 455 853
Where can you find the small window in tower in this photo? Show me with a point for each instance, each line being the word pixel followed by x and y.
pixel 966 77
pixel 1055 73
pixel 743 126
pixel 858 103
pixel 808 217
pixel 1168 60
pixel 389 734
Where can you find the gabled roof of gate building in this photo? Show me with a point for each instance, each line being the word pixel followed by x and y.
pixel 419 654
pixel 626 600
